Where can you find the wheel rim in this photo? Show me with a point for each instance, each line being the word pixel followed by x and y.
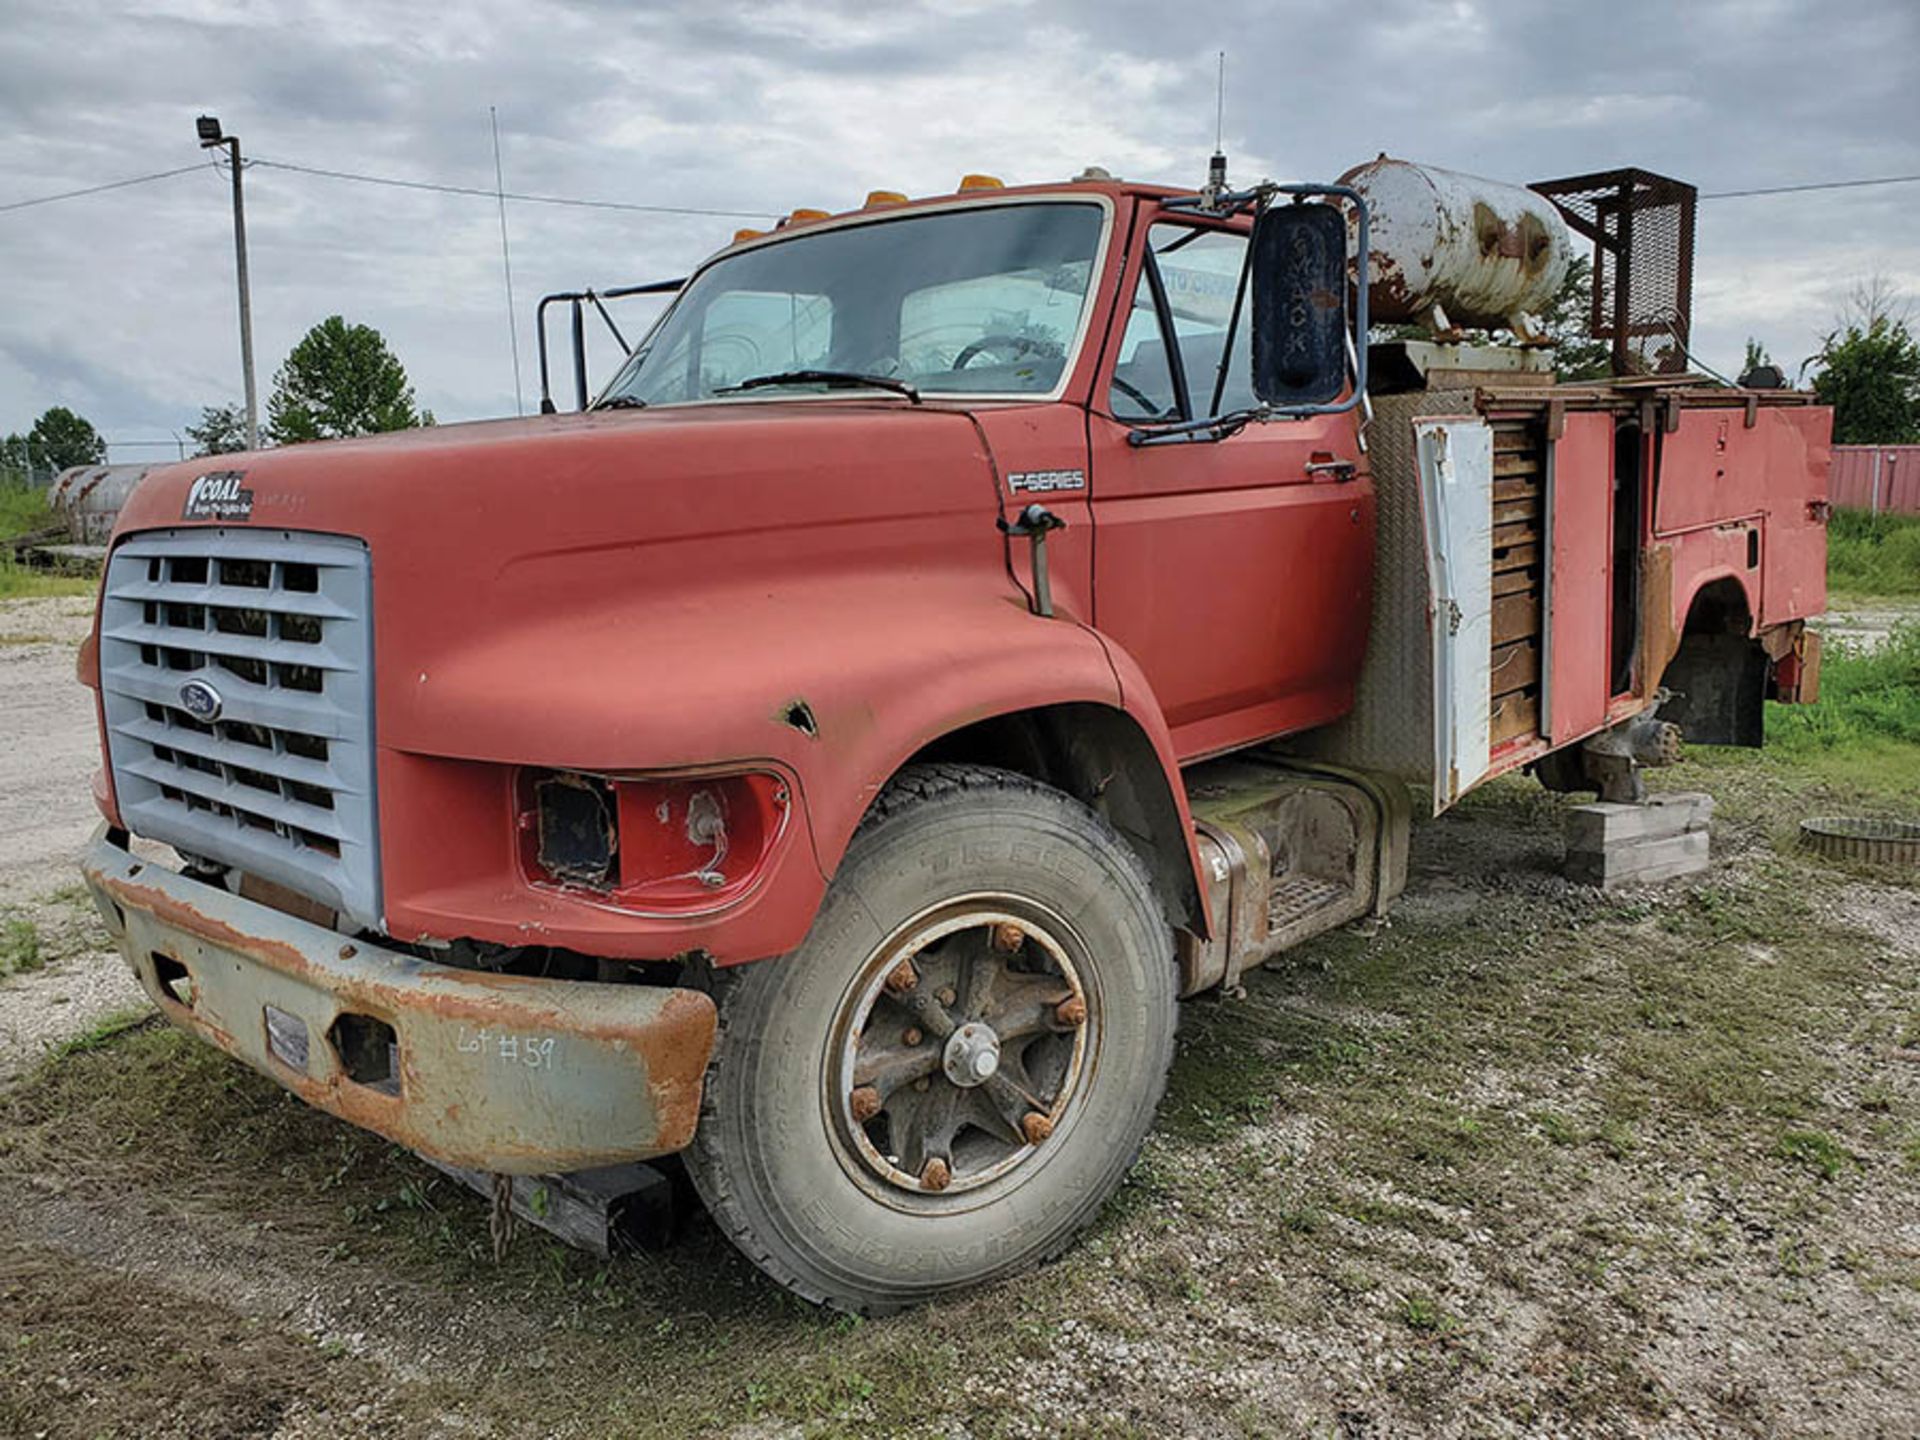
pixel 960 1047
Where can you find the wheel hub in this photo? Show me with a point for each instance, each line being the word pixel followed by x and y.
pixel 959 1046
pixel 972 1056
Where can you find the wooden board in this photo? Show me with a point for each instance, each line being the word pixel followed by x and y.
pixel 1516 557
pixel 1515 617
pixel 1506 536
pixel 1521 510
pixel 1514 716
pixel 1515 667
pixel 1512 582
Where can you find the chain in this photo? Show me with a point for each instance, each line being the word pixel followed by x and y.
pixel 500 1222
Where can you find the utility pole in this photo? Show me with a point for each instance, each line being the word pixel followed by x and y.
pixel 211 136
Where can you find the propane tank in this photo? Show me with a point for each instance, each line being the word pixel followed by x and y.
pixel 1452 249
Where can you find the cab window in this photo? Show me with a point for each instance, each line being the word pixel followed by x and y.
pixel 1199 272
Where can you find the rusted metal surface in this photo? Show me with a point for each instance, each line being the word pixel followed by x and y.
pixel 1478 252
pixel 1641 226
pixel 493 1072
pixel 954 1080
pixel 89 497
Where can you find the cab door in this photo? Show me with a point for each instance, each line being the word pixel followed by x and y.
pixel 1238 573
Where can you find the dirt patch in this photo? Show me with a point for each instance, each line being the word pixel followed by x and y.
pixel 88 1350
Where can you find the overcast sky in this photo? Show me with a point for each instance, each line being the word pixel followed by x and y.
pixel 121 305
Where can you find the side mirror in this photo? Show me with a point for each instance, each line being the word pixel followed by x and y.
pixel 1299 260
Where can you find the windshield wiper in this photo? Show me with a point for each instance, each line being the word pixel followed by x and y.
pixel 824 377
pixel 622 402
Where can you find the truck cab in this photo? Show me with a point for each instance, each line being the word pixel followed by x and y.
pixel 958 630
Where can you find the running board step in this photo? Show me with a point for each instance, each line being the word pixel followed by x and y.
pixel 1289 848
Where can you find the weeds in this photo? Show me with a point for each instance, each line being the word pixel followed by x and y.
pixel 23 582
pixel 1873 554
pixel 20 950
pixel 1866 697
pixel 23 509
pixel 1814 1150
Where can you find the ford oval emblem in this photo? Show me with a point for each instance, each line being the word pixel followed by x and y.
pixel 200 700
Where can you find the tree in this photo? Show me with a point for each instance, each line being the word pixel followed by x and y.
pixel 340 380
pixel 221 431
pixel 1869 370
pixel 59 439
pixel 1576 354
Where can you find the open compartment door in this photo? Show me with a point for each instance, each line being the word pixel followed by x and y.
pixel 1455 460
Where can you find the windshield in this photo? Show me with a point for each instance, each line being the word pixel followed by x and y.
pixel 980 301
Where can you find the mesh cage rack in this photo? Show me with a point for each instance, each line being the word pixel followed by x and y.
pixel 1641 226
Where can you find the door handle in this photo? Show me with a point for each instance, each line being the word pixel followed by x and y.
pixel 1339 469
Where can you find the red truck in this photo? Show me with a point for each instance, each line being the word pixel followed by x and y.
pixel 960 630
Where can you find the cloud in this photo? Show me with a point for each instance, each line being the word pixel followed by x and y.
pixel 123 303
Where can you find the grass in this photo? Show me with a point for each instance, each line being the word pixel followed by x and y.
pixel 1869 703
pixel 20 950
pixel 23 508
pixel 24 582
pixel 1873 555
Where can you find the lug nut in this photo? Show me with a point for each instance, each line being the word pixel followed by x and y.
pixel 902 977
pixel 1072 1011
pixel 936 1175
pixel 865 1104
pixel 910 1036
pixel 1036 1127
pixel 1008 937
pixel 923 1084
pixel 347 952
pixel 945 995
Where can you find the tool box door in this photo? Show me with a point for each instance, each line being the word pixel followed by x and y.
pixel 1455 458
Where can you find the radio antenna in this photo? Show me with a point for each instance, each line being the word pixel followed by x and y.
pixel 506 261
pixel 1217 168
pixel 1220 104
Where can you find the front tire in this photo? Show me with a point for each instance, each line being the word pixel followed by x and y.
pixel 951 1075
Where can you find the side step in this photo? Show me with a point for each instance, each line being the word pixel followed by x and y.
pixel 1290 848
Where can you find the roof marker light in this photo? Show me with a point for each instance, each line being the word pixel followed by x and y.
pixel 740 235
pixel 981 182
pixel 802 216
pixel 884 197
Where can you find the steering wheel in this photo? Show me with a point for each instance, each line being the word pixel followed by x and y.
pixel 1018 344
pixel 1133 392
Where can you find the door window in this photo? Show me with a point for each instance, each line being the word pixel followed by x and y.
pixel 1199 275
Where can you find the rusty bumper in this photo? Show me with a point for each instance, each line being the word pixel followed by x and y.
pixel 488 1072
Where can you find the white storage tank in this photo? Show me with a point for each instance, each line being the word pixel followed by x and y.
pixel 1480 251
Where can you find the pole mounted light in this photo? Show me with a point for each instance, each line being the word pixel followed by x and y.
pixel 207 127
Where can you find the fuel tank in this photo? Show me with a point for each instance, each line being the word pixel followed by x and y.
pixel 1481 251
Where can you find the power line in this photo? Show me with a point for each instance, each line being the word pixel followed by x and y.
pixel 1816 185
pixel 507 195
pixel 96 189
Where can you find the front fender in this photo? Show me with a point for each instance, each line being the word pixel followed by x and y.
pixel 835 680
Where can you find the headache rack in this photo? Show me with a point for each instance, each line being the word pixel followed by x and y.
pixel 236 680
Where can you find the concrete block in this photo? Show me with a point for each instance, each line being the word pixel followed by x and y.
pixel 1640 862
pixel 1604 824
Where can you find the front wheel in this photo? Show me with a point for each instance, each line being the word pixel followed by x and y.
pixel 952 1074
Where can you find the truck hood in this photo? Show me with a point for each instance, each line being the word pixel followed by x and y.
pixel 558 480
pixel 622 539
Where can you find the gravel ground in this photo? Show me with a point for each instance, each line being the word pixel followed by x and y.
pixel 1867 626
pixel 1524 1160
pixel 46 814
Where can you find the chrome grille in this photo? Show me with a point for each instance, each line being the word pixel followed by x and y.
pixel 236 675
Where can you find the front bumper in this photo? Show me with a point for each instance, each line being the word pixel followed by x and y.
pixel 489 1072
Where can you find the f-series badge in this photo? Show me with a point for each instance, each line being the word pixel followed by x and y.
pixel 1043 481
pixel 219 495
